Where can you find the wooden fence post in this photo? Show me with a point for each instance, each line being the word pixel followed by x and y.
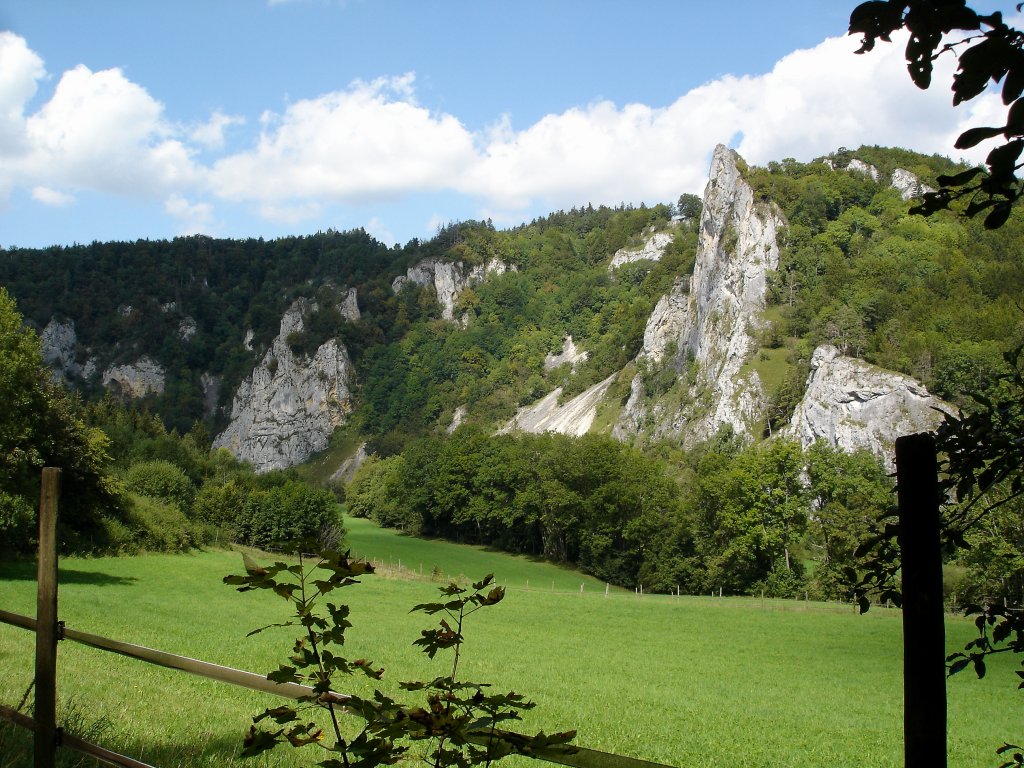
pixel 45 712
pixel 924 641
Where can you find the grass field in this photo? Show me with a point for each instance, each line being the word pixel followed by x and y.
pixel 684 681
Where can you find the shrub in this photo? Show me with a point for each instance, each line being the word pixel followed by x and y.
pixel 161 480
pixel 288 515
pixel 162 527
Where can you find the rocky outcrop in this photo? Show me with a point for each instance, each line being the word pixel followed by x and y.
pixel 287 408
pixel 570 354
pixel 448 279
pixel 653 249
pixel 853 405
pixel 143 377
pixel 210 386
pixel 572 418
pixel 187 328
pixel 59 341
pixel 713 320
pixel 859 166
pixel 458 417
pixel 908 185
pixel 349 307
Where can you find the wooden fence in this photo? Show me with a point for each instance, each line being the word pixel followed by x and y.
pixel 48 630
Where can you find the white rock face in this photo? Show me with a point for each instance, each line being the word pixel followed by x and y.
pixel 457 418
pixel 713 320
pixel 187 328
pixel 58 341
pixel 853 405
pixel 287 408
pixel 449 279
pixel 573 418
pixel 349 307
pixel 211 392
pixel 570 354
pixel 247 339
pixel 908 185
pixel 141 378
pixel 653 250
pixel 859 166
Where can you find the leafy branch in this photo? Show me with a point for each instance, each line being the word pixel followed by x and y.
pixel 462 719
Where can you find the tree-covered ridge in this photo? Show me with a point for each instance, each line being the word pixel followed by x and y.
pixel 937 298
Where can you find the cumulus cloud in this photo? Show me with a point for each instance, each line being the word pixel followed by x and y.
pixel 211 133
pixel 812 102
pixel 194 218
pixel 52 197
pixel 370 141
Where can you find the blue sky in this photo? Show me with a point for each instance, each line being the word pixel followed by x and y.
pixel 125 120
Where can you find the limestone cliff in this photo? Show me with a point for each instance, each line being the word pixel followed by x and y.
pixel 133 380
pixel 711 319
pixel 852 405
pixel 287 408
pixel 652 249
pixel 448 279
pixel 59 341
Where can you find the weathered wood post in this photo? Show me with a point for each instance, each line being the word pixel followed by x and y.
pixel 45 713
pixel 924 640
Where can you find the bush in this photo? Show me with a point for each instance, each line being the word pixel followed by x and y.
pixel 17 520
pixel 287 516
pixel 161 526
pixel 161 480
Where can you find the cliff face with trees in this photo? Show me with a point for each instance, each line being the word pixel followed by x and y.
pixel 693 324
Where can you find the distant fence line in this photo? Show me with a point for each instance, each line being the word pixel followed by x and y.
pixel 48 630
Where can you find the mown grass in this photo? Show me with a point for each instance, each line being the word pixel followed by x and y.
pixel 685 681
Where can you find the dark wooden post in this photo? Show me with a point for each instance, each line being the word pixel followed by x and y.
pixel 45 712
pixel 924 641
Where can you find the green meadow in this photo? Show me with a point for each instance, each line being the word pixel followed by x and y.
pixel 690 681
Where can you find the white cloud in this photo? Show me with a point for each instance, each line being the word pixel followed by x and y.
pixel 376 228
pixel 20 71
pixel 369 141
pixel 290 213
pixel 211 133
pixel 52 197
pixel 194 218
pixel 812 102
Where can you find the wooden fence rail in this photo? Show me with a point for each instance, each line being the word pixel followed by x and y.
pixel 49 630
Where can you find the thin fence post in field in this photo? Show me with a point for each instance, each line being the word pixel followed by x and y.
pixel 606 589
pixel 924 666
pixel 45 711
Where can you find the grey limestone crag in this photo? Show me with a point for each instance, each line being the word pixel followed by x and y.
pixel 652 249
pixel 712 319
pixel 285 411
pixel 134 380
pixel 570 354
pixel 853 405
pixel 907 184
pixel 59 341
pixel 448 279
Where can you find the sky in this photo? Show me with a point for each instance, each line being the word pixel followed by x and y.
pixel 125 120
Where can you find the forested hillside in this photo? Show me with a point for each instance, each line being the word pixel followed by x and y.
pixel 937 299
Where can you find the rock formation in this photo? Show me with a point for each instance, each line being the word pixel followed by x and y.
pixel 572 418
pixel 349 307
pixel 448 279
pixel 570 354
pixel 58 341
pixel 143 377
pixel 653 249
pixel 908 185
pixel 287 408
pixel 711 319
pixel 852 405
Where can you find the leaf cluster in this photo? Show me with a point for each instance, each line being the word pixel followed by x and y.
pixel 461 720
pixel 990 52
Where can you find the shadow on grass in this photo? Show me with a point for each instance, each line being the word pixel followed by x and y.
pixel 25 570
pixel 206 750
